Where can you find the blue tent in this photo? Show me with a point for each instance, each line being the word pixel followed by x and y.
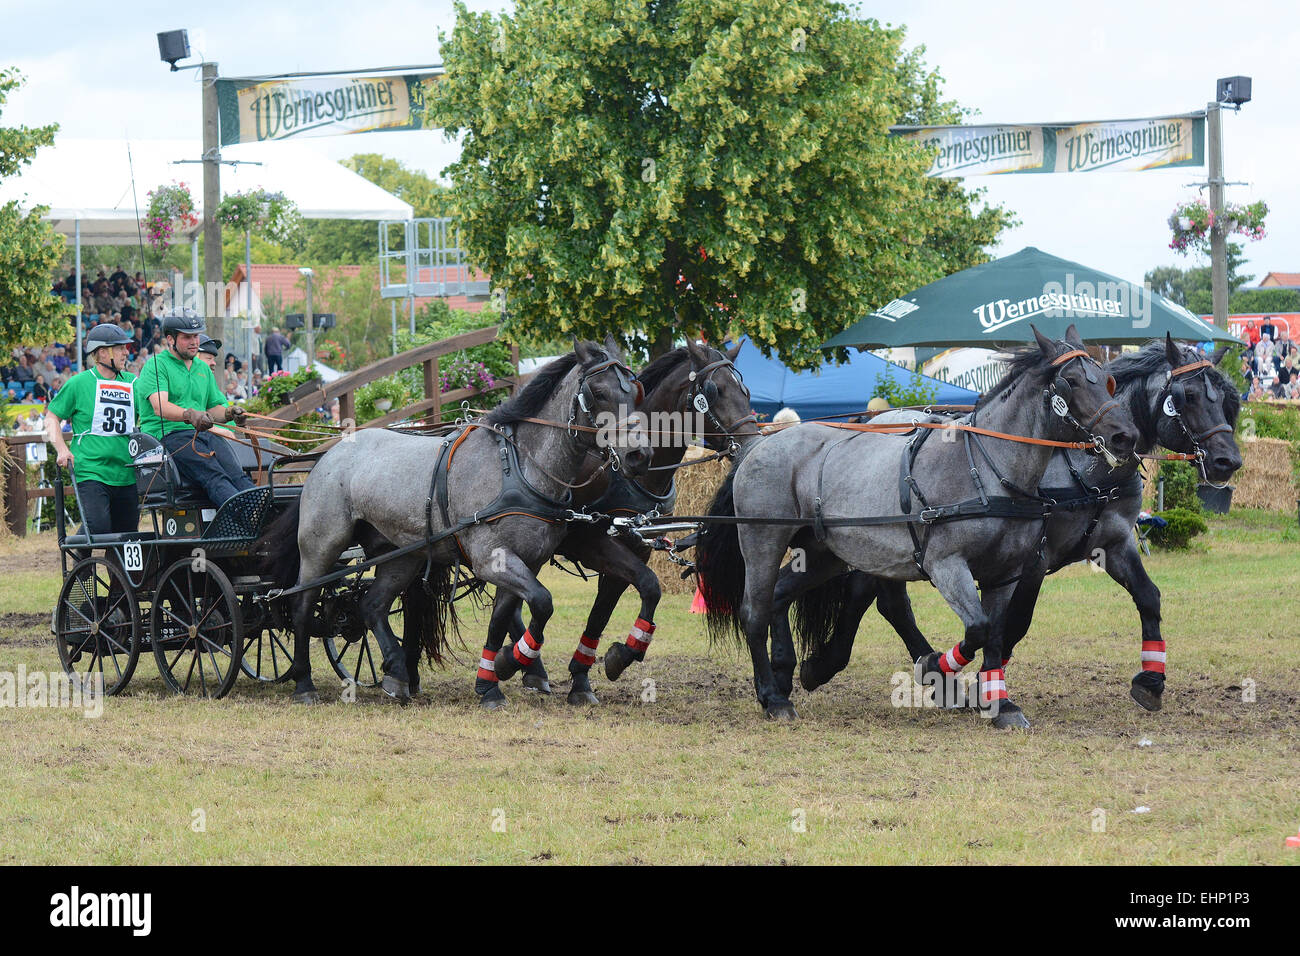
pixel 830 390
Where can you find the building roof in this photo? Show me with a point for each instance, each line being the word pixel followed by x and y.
pixel 1273 280
pixel 284 285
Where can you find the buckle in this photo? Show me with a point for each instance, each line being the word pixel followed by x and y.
pixel 929 515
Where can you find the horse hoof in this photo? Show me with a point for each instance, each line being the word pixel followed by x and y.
pixel 506 666
pixel 785 713
pixel 617 659
pixel 1011 720
pixel 399 690
pixel 537 683
pixel 493 699
pixel 1147 690
pixel 583 698
pixel 306 697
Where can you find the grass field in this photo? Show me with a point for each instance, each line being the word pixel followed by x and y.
pixel 696 774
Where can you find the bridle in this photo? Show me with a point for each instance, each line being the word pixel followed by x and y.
pixel 1057 398
pixel 584 400
pixel 1171 399
pixel 703 393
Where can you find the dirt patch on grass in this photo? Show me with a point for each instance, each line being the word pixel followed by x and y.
pixel 32 553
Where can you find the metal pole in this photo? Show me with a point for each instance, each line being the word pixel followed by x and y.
pixel 393 305
pixel 1218 239
pixel 78 357
pixel 211 187
pixel 194 269
pixel 311 326
pixel 412 308
pixel 246 345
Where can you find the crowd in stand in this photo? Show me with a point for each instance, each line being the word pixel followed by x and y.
pixel 1270 364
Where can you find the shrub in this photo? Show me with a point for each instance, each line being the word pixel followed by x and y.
pixel 1183 525
pixel 473 366
pixel 915 392
pixel 1181 479
pixel 391 387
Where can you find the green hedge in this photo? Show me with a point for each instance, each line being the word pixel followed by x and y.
pixel 1182 527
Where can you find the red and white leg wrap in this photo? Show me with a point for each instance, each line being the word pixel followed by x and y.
pixel 527 649
pixel 487 665
pixel 586 652
pixel 993 686
pixel 639 637
pixel 1153 656
pixel 953 661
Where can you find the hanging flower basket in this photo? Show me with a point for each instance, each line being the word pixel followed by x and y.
pixel 270 215
pixel 170 210
pixel 1193 222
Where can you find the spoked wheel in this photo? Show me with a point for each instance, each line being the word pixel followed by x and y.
pixel 196 629
pixel 268 654
pixel 359 658
pixel 97 625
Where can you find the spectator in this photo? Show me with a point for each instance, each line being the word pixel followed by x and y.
pixel 60 359
pixel 40 391
pixel 275 346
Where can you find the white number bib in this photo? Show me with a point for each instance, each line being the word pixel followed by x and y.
pixel 114 409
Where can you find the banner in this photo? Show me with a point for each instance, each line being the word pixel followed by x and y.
pixel 1156 143
pixel 258 111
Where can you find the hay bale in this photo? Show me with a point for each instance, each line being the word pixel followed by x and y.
pixel 1264 480
pixel 696 487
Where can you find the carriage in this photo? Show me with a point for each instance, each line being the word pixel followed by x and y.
pixel 189 588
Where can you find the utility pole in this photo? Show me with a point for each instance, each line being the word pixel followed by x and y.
pixel 211 190
pixel 308 319
pixel 1218 239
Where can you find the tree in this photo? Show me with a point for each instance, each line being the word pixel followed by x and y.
pixel 1191 288
pixel 30 249
pixel 356 242
pixel 702 166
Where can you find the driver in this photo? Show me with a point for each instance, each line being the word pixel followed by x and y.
pixel 99 405
pixel 180 402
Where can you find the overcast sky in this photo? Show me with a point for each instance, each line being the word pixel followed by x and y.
pixel 94 69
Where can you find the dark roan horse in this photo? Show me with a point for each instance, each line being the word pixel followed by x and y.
pixel 1178 400
pixel 690 392
pixel 379 490
pixel 843 498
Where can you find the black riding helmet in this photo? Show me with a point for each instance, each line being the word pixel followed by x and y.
pixel 183 321
pixel 105 335
pixel 210 345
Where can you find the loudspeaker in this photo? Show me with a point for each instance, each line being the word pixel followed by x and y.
pixel 173 45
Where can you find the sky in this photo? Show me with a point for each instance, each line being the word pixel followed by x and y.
pixel 1013 62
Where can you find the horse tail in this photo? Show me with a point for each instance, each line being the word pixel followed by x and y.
pixel 430 612
pixel 721 569
pixel 281 559
pixel 817 611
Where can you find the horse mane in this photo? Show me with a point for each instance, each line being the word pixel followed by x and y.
pixel 535 394
pixel 653 375
pixel 1150 359
pixel 1020 361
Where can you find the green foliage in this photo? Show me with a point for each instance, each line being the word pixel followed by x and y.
pixel 915 392
pixel 690 167
pixel 276 389
pixel 1231 367
pixel 1191 288
pixel 1265 301
pixel 1182 527
pixel 1181 479
pixel 436 321
pixel 29 248
pixel 391 387
pixel 1270 421
pixel 267 214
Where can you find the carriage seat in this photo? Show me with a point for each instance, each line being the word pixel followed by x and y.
pixel 157 479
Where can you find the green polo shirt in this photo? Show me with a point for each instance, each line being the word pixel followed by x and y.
pixel 192 387
pixel 101 414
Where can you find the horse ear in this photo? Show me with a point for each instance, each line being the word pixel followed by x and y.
pixel 696 351
pixel 1073 337
pixel 735 350
pixel 1046 345
pixel 583 349
pixel 1171 352
pixel 612 347
pixel 1219 353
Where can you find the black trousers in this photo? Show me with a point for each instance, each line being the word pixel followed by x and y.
pixel 207 462
pixel 274 363
pixel 108 509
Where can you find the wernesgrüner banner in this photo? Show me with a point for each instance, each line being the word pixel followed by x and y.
pixel 272 108
pixel 1133 144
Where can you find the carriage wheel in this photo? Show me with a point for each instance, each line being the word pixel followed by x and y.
pixel 359 659
pixel 268 654
pixel 97 624
pixel 196 629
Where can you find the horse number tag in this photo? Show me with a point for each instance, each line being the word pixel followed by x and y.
pixel 701 404
pixel 1059 406
pixel 1169 407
